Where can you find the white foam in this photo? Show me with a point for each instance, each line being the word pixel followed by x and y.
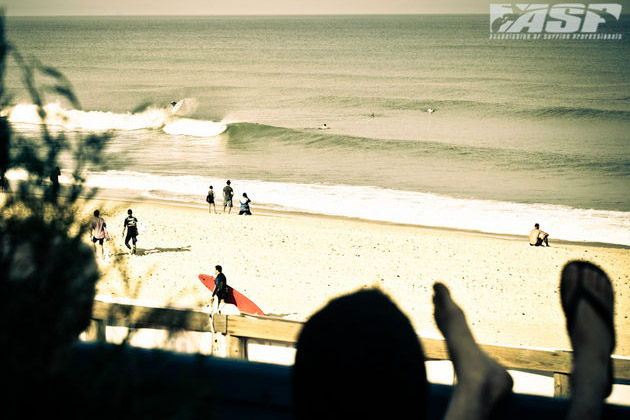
pixel 99 121
pixel 196 128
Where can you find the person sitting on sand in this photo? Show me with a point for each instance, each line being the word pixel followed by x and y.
pixel 537 237
pixel 389 380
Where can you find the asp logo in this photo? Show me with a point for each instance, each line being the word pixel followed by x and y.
pixel 555 18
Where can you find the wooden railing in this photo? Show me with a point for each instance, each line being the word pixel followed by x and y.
pixel 237 329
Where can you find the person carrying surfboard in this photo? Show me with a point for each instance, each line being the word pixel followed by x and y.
pixel 220 290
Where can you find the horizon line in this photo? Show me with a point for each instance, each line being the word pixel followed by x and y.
pixel 239 14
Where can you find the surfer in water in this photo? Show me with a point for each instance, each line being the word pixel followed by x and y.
pixel 430 110
pixel 174 106
pixel 323 127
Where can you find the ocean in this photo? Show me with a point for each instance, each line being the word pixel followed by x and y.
pixel 523 131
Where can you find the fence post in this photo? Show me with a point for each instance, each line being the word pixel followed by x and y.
pixel 236 347
pixel 561 385
pixel 96 331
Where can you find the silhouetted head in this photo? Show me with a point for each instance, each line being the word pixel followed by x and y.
pixel 536 225
pixel 97 213
pixel 359 357
pixel 228 182
pixel 129 212
pixel 218 268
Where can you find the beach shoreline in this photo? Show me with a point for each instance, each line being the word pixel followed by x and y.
pixel 266 211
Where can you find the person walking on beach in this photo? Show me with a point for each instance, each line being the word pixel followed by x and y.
pixel 220 292
pixel 245 205
pixel 537 237
pixel 228 193
pixel 98 231
pixel 210 200
pixel 131 224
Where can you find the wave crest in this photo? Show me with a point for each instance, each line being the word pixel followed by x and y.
pixel 151 118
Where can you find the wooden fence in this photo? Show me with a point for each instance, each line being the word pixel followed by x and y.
pixel 238 329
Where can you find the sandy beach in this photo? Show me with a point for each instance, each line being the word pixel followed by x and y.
pixel 291 265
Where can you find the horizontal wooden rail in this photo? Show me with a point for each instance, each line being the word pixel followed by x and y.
pixel 552 361
pixel 239 328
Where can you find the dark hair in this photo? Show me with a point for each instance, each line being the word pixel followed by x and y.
pixel 362 356
pixel 245 195
pixel 210 186
pixel 96 213
pixel 218 268
pixel 536 225
pixel 129 211
pixel 228 182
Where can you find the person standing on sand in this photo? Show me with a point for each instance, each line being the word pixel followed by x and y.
pixel 131 224
pixel 98 231
pixel 210 200
pixel 220 290
pixel 537 237
pixel 245 205
pixel 228 193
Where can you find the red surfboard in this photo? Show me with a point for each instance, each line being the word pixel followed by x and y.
pixel 234 297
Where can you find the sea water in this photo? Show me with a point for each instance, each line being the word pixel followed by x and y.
pixel 523 131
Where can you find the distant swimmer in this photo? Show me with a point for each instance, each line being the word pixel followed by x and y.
pixel 323 127
pixel 430 110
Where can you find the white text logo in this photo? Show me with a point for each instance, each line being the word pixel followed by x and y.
pixel 564 18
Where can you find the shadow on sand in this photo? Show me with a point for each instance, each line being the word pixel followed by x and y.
pixel 142 251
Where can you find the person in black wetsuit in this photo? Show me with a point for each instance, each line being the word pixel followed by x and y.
pixel 220 290
pixel 131 224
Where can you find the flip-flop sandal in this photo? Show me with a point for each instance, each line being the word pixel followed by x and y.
pixel 571 302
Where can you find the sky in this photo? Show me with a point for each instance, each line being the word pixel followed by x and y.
pixel 239 7
pixel 258 7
